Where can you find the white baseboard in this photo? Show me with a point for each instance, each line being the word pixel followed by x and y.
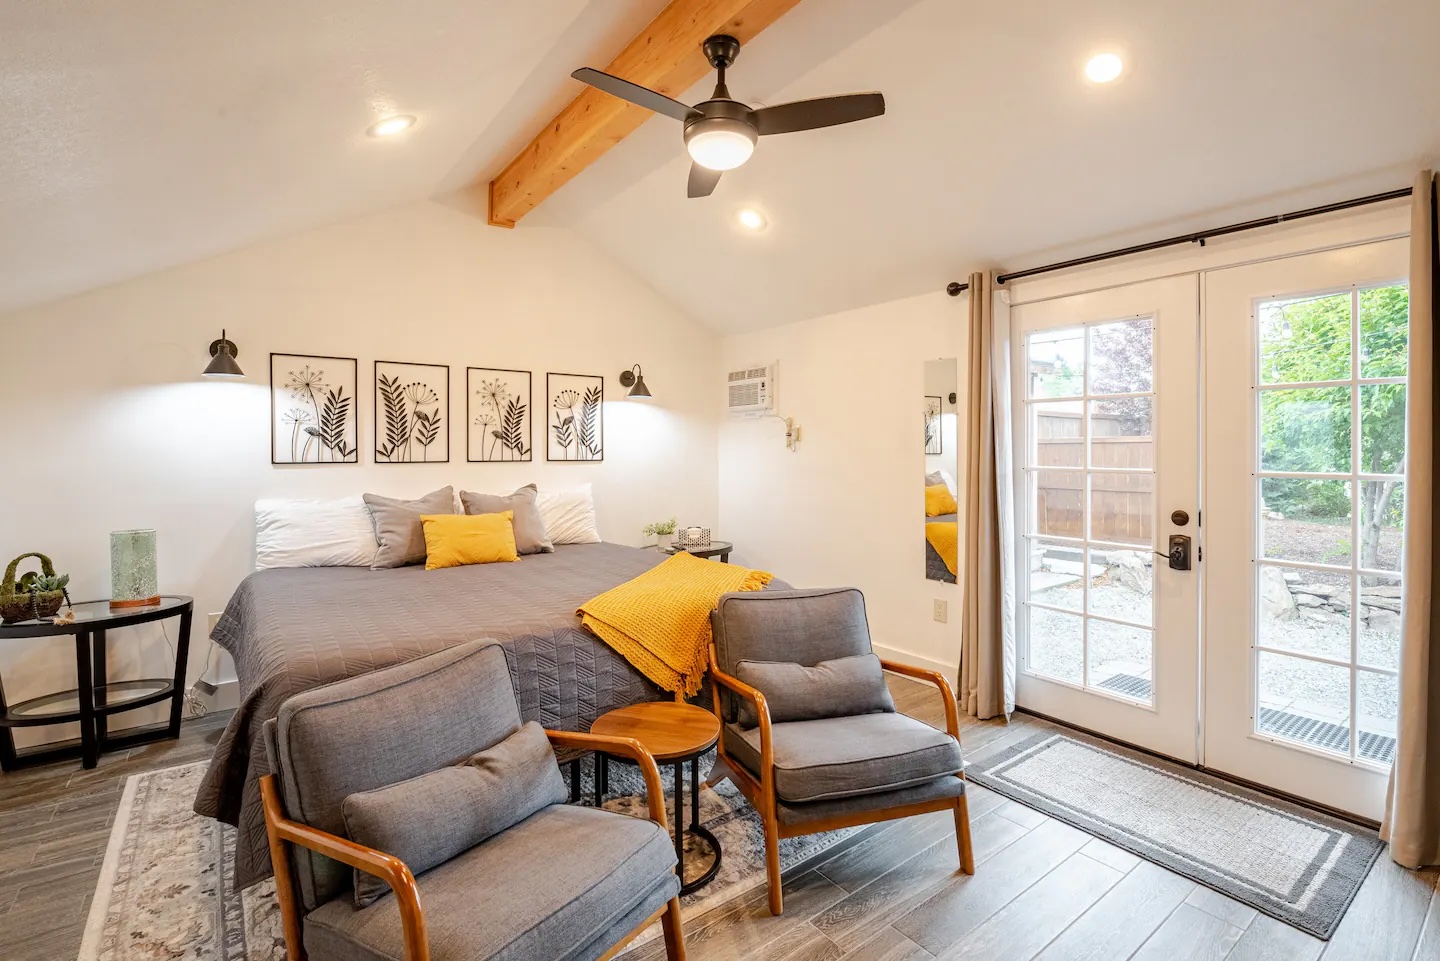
pixel 951 671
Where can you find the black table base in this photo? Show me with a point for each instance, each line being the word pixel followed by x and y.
pixel 96 701
pixel 696 829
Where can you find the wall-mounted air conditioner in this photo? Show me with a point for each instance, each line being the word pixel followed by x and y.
pixel 751 391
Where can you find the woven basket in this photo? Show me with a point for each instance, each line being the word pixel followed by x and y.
pixel 28 606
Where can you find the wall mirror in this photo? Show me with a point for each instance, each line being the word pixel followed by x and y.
pixel 942 459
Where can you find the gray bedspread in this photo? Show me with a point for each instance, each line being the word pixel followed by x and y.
pixel 294 629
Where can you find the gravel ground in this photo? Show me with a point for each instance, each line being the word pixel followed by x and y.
pixel 1307 687
pixel 1316 543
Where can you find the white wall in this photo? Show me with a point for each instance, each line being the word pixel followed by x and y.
pixel 112 426
pixel 848 506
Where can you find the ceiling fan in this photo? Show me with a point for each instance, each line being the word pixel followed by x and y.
pixel 720 133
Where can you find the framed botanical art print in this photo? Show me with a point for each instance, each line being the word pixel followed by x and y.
pixel 575 417
pixel 313 418
pixel 934 443
pixel 412 413
pixel 498 415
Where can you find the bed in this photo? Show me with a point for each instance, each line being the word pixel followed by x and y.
pixel 935 568
pixel 294 629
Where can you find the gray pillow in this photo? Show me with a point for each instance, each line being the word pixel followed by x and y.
pixel 530 534
pixel 843 687
pixel 430 819
pixel 935 477
pixel 398 531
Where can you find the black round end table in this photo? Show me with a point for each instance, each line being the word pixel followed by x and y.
pixel 673 733
pixel 94 698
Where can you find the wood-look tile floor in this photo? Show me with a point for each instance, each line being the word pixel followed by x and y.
pixel 1042 890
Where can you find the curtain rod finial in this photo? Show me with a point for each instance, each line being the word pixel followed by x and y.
pixel 955 288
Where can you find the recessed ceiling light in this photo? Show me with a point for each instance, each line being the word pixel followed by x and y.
pixel 390 126
pixel 751 219
pixel 1104 67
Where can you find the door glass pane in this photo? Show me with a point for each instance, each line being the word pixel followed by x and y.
pixel 1122 507
pixel 1377 704
pixel 1305 611
pixel 1055 430
pixel 1384 331
pixel 1305 430
pixel 1382 428
pixel 1305 520
pixel 1057 363
pixel 1059 503
pixel 1121 660
pixel 1122 585
pixel 1304 701
pixel 1382 524
pixel 1380 617
pixel 1121 434
pixel 1057 644
pixel 1305 339
pixel 1121 357
pixel 1056 575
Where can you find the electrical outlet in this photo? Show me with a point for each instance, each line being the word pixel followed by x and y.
pixel 940 613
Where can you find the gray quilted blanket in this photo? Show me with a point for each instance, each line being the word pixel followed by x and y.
pixel 291 630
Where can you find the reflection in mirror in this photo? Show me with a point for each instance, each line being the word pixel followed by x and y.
pixel 942 459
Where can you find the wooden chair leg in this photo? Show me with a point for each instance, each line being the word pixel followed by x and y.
pixel 962 835
pixel 772 867
pixel 674 935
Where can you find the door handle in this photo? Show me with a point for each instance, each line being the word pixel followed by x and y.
pixel 1179 555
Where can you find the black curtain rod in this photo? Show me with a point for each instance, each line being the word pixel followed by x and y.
pixel 955 289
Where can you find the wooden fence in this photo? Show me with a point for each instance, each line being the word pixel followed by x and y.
pixel 1122 506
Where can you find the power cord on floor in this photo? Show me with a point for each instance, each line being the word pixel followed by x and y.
pixel 194 703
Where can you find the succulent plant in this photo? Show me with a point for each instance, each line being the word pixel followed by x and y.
pixel 43 583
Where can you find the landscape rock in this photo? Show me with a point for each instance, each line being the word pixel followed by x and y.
pixel 1276 601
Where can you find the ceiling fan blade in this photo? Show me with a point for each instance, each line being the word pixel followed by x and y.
pixel 702 181
pixel 821 112
pixel 634 93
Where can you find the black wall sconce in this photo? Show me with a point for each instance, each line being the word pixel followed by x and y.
pixel 635 380
pixel 222 359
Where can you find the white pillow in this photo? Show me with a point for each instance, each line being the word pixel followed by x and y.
pixel 313 533
pixel 569 516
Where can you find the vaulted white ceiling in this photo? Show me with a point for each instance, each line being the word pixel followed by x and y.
pixel 149 133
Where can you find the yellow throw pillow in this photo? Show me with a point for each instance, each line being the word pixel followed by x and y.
pixel 453 540
pixel 939 500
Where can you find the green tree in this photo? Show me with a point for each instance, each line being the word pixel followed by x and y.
pixel 1308 429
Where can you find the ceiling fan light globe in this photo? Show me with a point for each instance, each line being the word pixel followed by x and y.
pixel 720 144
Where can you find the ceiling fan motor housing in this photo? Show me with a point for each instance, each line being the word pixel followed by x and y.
pixel 722 114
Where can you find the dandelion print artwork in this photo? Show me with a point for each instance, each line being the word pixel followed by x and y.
pixel 412 413
pixel 575 429
pixel 312 410
pixel 933 443
pixel 498 405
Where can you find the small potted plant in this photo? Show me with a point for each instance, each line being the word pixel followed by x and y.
pixel 37 594
pixel 663 531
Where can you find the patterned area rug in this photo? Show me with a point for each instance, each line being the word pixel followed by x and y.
pixel 165 889
pixel 1292 863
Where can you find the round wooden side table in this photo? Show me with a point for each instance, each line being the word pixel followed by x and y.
pixel 673 733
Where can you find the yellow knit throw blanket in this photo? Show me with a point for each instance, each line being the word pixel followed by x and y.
pixel 944 536
pixel 660 621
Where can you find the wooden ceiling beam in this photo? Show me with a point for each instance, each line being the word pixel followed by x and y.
pixel 665 56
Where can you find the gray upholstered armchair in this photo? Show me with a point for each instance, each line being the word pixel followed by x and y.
pixel 809 729
pixel 429 755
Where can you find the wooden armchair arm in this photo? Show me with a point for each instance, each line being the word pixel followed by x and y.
pixel 947 693
pixel 762 712
pixel 622 747
pixel 386 867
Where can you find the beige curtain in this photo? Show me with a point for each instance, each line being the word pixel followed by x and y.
pixel 987 659
pixel 1412 815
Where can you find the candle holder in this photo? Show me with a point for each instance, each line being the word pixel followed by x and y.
pixel 133 578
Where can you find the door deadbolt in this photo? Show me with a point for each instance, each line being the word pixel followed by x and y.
pixel 1179 518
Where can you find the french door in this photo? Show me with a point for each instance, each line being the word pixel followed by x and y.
pixel 1106 421
pixel 1304 454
